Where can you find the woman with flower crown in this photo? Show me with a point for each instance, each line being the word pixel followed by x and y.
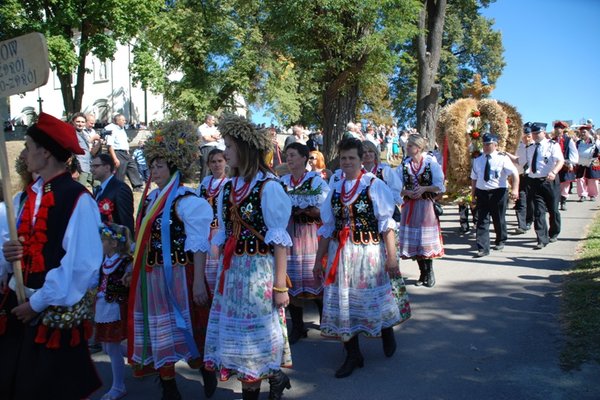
pixel 307 191
pixel 169 297
pixel 358 237
pixel 246 333
pixel 209 189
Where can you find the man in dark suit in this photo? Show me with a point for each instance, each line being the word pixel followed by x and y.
pixel 114 197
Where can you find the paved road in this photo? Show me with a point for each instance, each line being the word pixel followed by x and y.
pixel 488 330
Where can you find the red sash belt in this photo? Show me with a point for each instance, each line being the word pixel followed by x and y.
pixel 342 238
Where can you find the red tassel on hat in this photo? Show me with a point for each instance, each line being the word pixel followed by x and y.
pixel 42 332
pixel 75 336
pixel 87 329
pixel 54 342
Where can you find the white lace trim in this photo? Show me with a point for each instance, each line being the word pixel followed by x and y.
pixel 278 236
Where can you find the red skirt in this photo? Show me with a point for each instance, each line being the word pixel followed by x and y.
pixel 112 332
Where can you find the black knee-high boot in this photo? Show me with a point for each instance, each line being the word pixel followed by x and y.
pixel 354 358
pixel 210 382
pixel 319 303
pixel 277 384
pixel 169 388
pixel 250 394
pixel 389 341
pixel 423 274
pixel 297 332
pixel 430 277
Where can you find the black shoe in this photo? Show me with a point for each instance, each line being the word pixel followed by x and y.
pixel 169 389
pixel 499 246
pixel 210 382
pixel 482 253
pixel 464 230
pixel 389 341
pixel 278 383
pixel 563 206
pixel 250 394
pixel 350 364
pixel 422 273
pixel 553 238
pixel 519 231
pixel 430 277
pixel 539 246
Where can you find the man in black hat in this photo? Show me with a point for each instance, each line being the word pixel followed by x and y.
pixel 489 186
pixel 544 164
pixel 44 347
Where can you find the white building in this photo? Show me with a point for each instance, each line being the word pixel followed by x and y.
pixel 108 90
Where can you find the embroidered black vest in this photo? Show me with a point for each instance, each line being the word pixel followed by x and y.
pixel 251 213
pixel 300 191
pixel 359 216
pixel 66 193
pixel 425 179
pixel 213 203
pixel 115 290
pixel 178 236
pixel 379 173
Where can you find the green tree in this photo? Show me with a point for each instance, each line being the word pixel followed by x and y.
pixel 341 45
pixel 74 29
pixel 469 45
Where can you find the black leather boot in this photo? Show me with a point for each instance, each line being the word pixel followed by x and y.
pixel 297 332
pixel 210 382
pixel 277 384
pixel 563 203
pixel 319 303
pixel 250 394
pixel 353 358
pixel 423 274
pixel 169 388
pixel 389 341
pixel 430 276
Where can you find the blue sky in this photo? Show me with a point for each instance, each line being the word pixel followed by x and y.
pixel 552 55
pixel 552 52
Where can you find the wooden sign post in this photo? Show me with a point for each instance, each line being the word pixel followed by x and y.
pixel 24 66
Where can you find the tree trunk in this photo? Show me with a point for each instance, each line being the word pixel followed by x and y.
pixel 67 92
pixel 429 46
pixel 339 108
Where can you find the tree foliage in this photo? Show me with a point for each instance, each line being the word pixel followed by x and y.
pixel 74 29
pixel 470 45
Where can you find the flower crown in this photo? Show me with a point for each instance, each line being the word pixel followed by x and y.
pixel 244 130
pixel 177 144
pixel 109 233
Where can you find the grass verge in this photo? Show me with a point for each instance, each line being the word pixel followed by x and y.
pixel 581 304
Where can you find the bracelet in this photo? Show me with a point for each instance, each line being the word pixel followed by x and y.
pixel 280 290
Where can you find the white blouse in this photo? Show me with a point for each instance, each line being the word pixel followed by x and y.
pixel 318 190
pixel 381 196
pixel 215 184
pixel 276 208
pixel 437 175
pixel 196 215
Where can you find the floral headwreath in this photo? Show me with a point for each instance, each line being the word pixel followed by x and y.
pixel 107 232
pixel 244 130
pixel 177 144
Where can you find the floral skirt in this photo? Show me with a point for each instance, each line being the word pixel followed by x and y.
pixel 165 342
pixel 419 234
pixel 247 334
pixel 360 300
pixel 212 263
pixel 301 260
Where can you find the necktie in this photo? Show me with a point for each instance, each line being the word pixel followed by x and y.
pixel 486 172
pixel 98 191
pixel 534 159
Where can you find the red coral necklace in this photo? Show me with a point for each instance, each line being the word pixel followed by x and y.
pixel 240 194
pixel 346 197
pixel 213 192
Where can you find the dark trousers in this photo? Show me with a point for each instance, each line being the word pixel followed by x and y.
pixel 128 167
pixel 463 215
pixel 544 200
pixel 491 203
pixel 524 205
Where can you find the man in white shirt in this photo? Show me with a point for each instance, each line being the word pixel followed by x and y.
pixel 567 174
pixel 210 138
pixel 489 186
pixel 544 164
pixel 118 148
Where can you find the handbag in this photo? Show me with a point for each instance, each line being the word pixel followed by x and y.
pixel 401 297
pixel 438 209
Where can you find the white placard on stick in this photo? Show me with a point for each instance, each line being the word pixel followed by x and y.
pixel 23 64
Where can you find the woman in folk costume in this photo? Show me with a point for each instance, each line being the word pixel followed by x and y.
pixel 308 191
pixel 169 300
pixel 246 333
pixel 209 189
pixel 420 235
pixel 359 239
pixel 371 163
